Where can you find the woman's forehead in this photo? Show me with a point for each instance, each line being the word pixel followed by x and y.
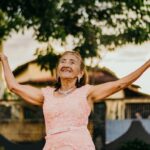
pixel 70 56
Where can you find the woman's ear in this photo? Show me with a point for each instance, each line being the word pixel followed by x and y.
pixel 81 73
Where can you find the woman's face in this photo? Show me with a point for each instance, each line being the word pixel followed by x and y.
pixel 69 67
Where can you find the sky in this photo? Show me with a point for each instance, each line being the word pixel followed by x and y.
pixel 20 48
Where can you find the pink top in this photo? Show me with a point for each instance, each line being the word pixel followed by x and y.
pixel 66 113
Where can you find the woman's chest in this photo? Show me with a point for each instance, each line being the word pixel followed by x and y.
pixel 66 106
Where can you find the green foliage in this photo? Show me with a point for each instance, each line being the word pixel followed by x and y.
pixel 135 145
pixel 2 148
pixel 95 23
pixel 47 59
pixel 9 95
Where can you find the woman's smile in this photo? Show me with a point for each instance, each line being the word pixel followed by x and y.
pixel 66 69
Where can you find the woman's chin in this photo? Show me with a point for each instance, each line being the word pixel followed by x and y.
pixel 66 77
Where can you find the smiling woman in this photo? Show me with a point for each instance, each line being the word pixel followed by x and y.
pixel 71 64
pixel 67 106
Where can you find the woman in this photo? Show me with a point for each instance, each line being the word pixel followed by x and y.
pixel 67 106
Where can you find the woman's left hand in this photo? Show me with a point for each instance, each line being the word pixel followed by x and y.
pixel 148 63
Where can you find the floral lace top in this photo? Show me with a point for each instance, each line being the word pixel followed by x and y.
pixel 66 120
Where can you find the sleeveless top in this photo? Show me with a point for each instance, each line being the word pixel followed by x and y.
pixel 67 112
pixel 66 120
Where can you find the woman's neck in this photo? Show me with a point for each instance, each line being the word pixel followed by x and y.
pixel 67 84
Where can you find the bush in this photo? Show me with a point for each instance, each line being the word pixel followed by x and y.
pixel 2 148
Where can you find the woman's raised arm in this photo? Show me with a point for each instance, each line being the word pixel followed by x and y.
pixel 30 94
pixel 99 92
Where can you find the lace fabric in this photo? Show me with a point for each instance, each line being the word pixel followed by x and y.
pixel 66 120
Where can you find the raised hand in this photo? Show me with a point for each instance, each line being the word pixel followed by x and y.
pixel 99 92
pixel 2 57
pixel 148 62
pixel 30 94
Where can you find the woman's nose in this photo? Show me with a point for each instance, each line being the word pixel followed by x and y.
pixel 67 64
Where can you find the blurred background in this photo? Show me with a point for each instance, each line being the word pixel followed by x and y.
pixel 113 38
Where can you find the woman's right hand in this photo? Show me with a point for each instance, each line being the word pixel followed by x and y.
pixel 2 57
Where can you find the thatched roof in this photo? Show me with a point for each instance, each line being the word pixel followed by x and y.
pixel 135 131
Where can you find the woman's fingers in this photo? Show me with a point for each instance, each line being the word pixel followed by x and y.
pixel 2 56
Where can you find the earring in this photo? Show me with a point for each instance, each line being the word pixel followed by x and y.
pixel 78 79
pixel 58 79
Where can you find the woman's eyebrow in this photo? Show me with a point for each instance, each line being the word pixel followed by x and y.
pixel 73 60
pixel 62 59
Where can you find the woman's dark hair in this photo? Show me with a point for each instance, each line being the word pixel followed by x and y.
pixel 84 78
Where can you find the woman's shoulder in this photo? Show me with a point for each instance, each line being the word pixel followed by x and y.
pixel 87 86
pixel 47 90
